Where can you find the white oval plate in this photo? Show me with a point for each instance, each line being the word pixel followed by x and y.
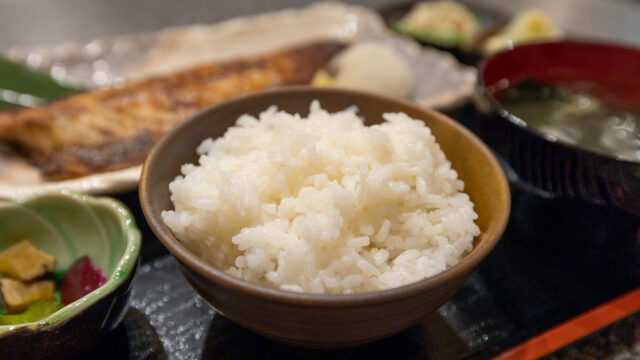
pixel 441 82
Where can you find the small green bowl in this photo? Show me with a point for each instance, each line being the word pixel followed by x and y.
pixel 68 226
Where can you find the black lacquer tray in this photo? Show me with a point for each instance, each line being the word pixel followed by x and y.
pixel 557 259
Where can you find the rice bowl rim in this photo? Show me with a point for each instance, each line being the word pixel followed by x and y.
pixel 495 229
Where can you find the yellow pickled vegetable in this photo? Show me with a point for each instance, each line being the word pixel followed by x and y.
pixel 26 262
pixel 528 26
pixel 16 295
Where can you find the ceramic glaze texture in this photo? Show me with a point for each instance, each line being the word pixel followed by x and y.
pixel 314 320
pixel 68 226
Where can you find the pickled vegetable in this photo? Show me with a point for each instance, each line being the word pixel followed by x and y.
pixel 443 23
pixel 23 261
pixel 527 27
pixel 81 279
pixel 16 295
pixel 36 310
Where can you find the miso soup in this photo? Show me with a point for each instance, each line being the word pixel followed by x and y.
pixel 576 118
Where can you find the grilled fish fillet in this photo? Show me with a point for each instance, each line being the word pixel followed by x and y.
pixel 115 128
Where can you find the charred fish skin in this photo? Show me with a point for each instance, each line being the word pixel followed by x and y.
pixel 115 128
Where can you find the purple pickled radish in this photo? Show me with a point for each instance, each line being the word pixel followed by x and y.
pixel 81 279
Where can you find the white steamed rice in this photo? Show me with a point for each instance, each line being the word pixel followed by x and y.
pixel 324 204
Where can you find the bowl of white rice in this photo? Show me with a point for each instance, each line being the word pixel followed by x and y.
pixel 324 217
